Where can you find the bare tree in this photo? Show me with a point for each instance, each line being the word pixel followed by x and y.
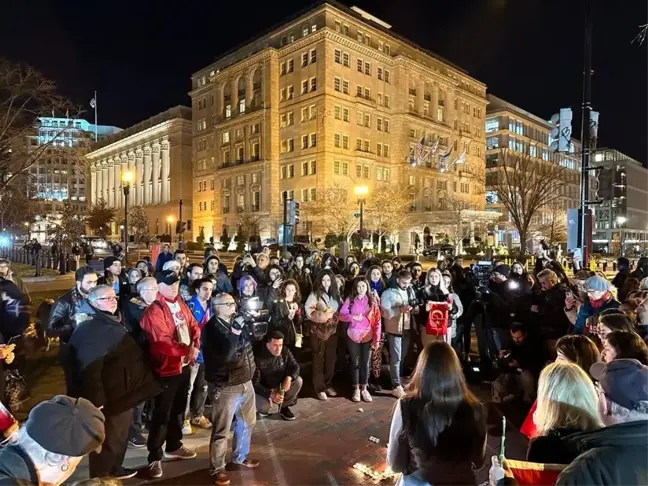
pixel 450 219
pixel 389 211
pixel 138 223
pixel 335 211
pixel 524 186
pixel 15 203
pixel 550 225
pixel 25 97
pixel 71 227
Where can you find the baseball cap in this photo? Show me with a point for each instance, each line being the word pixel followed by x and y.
pixel 67 426
pixel 597 284
pixel 168 277
pixel 624 381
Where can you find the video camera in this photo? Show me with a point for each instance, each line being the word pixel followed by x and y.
pixel 482 271
pixel 252 315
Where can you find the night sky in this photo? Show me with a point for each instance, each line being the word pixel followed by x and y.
pixel 139 54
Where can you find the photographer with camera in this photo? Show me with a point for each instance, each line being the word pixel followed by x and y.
pixel 499 299
pixel 229 369
pixel 252 307
pixel 520 365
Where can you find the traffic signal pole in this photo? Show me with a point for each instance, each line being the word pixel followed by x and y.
pixel 285 221
pixel 583 237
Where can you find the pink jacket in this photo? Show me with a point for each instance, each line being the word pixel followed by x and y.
pixel 368 329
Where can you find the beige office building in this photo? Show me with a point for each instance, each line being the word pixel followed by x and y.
pixel 334 98
pixel 157 151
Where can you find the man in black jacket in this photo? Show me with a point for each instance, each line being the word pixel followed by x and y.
pixel 113 374
pixel 276 379
pixel 229 368
pixel 61 320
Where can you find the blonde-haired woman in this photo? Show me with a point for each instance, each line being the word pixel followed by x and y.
pixel 567 404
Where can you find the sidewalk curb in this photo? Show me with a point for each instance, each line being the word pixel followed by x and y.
pixel 43 279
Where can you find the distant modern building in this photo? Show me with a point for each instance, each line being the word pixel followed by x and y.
pixel 622 217
pixel 157 152
pixel 334 98
pixel 60 173
pixel 513 130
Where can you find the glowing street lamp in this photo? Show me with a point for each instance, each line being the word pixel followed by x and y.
pixel 361 192
pixel 621 220
pixel 170 220
pixel 127 178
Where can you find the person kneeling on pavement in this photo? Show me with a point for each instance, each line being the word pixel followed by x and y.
pixel 113 373
pixel 229 368
pixel 520 366
pixel 53 441
pixel 276 379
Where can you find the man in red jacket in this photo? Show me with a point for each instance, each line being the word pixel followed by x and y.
pixel 174 340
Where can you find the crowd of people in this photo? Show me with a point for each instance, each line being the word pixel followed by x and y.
pixel 148 348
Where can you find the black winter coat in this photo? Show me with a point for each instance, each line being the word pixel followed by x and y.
pixel 552 321
pixel 271 370
pixel 61 321
pixel 552 449
pixel 112 369
pixel 227 356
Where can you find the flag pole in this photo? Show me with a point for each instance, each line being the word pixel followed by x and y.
pixel 95 109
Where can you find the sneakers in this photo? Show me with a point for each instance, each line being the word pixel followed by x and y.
pixel 331 392
pixel 366 396
pixel 221 479
pixel 249 463
pixel 355 397
pixel 322 396
pixel 125 473
pixel 287 414
pixel 202 422
pixel 398 392
pixel 138 441
pixel 261 415
pixel 186 428
pixel 182 453
pixel 155 469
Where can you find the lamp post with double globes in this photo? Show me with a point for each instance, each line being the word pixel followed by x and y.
pixel 361 192
pixel 127 178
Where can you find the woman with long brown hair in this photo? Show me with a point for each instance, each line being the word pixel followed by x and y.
pixel 438 430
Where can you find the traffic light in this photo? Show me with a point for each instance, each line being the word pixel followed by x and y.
pixel 294 212
pixel 560 136
pixel 181 227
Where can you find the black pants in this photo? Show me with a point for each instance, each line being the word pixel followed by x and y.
pixel 113 450
pixel 324 355
pixel 168 415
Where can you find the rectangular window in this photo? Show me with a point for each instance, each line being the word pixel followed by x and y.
pixel 226 137
pixel 313 193
pixel 282 94
pixel 345 114
pixel 345 142
pixel 291 66
pixel 386 125
pixel 359 65
pixel 359 90
pixel 367 93
pixel 338 112
pixel 304 141
pixel 345 168
pixel 291 171
pixel 313 84
pixel 338 26
pixel 367 120
pixel 345 86
pixel 387 101
pixel 304 59
pixel 365 146
pixel 492 125
pixel 345 29
pixel 226 156
pixel 282 69
pixel 313 56
pixel 358 144
pixel 358 171
pixel 345 59
pixel 313 167
pixel 338 56
pixel 379 73
pixel 255 151
pixel 304 168
pixel 379 150
pixel 337 84
pixel 385 150
pixel 240 154
pixel 291 92
pixel 337 139
pixel 336 167
pixel 367 68
pixel 291 145
pixel 313 140
pixel 305 194
pixel 365 172
pixel 379 174
pixel 304 88
pixel 387 76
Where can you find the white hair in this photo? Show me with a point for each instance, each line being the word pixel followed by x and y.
pixel 171 265
pixel 94 293
pixel 40 457
pixel 622 414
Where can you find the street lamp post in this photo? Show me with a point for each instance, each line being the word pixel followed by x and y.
pixel 361 192
pixel 620 222
pixel 127 178
pixel 170 221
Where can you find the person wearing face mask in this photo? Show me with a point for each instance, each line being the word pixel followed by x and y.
pixel 599 299
pixel 302 274
pixel 321 310
pixel 113 374
pixel 49 447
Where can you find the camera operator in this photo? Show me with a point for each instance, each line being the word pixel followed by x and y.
pixel 520 365
pixel 252 306
pixel 229 368
pixel 499 302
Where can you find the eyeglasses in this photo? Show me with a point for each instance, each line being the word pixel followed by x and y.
pixel 107 298
pixel 149 290
pixel 228 304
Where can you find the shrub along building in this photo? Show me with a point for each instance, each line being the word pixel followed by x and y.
pixel 330 100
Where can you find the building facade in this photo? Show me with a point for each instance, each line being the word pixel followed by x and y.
pixel 60 173
pixel 512 131
pixel 333 99
pixel 620 222
pixel 157 152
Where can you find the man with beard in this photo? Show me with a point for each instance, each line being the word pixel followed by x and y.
pixel 192 273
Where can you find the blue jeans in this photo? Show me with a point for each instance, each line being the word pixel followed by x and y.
pixel 231 403
pixel 398 347
pixel 360 359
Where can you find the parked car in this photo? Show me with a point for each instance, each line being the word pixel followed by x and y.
pixel 446 250
pixel 294 249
